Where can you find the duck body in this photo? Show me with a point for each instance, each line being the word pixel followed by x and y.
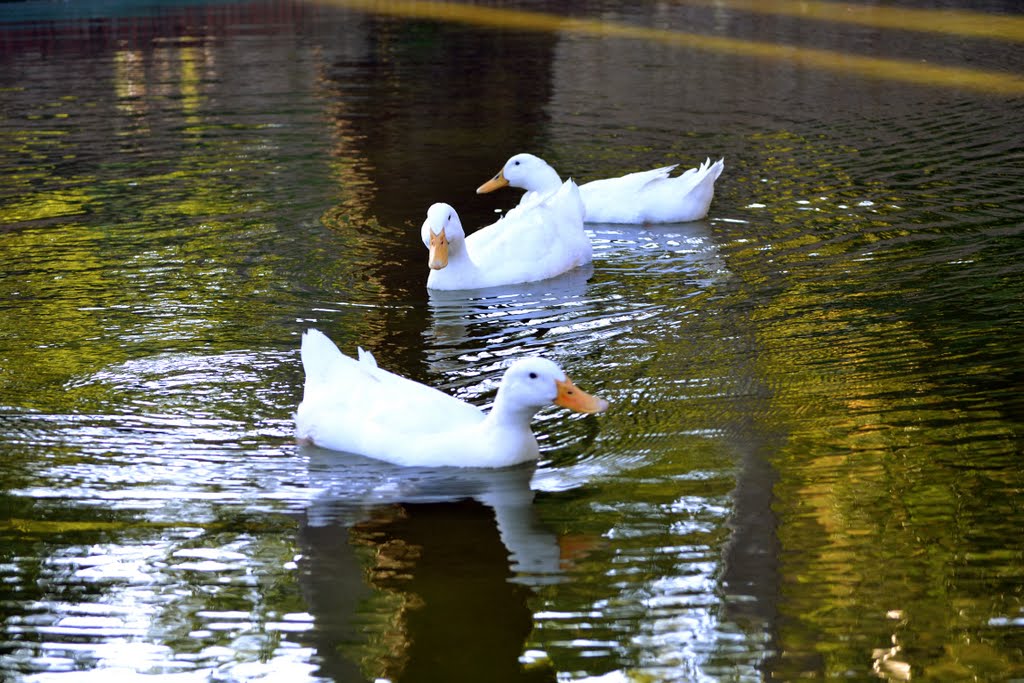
pixel 354 406
pixel 533 242
pixel 643 197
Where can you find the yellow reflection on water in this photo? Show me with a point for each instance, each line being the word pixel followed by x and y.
pixel 191 97
pixel 868 67
pixel 129 81
pixel 950 21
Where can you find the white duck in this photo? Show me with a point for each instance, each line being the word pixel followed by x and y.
pixel 536 242
pixel 643 197
pixel 354 406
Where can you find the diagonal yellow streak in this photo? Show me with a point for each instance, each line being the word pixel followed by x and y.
pixel 879 68
pixel 951 21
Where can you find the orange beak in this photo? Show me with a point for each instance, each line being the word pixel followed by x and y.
pixel 438 250
pixel 572 397
pixel 495 183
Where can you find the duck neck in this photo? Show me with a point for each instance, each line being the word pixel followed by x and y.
pixel 545 180
pixel 460 262
pixel 508 414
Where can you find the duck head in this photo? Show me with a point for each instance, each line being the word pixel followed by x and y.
pixel 525 171
pixel 440 229
pixel 530 384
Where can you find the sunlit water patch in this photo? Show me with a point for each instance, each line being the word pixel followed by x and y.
pixel 141 605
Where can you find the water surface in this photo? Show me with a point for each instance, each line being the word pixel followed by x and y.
pixel 811 466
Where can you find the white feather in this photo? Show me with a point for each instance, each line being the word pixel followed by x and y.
pixel 354 406
pixel 534 242
pixel 643 197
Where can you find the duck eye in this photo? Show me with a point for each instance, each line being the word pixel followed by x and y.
pixel 533 375
pixel 449 216
pixel 516 164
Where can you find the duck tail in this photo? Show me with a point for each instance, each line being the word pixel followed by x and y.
pixel 318 355
pixel 367 358
pixel 714 169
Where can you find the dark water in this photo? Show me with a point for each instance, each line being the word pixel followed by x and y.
pixel 811 467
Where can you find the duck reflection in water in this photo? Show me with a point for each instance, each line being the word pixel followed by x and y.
pixel 423 574
pixel 562 315
pixel 470 321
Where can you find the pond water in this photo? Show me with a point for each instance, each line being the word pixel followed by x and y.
pixel 811 467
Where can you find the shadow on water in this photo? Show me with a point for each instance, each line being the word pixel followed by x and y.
pixel 415 102
pixel 408 567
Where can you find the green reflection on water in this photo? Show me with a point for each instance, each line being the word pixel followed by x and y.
pixel 899 477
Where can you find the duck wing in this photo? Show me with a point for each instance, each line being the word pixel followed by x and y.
pixel 353 405
pixel 652 196
pixel 686 197
pixel 535 243
pixel 631 183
